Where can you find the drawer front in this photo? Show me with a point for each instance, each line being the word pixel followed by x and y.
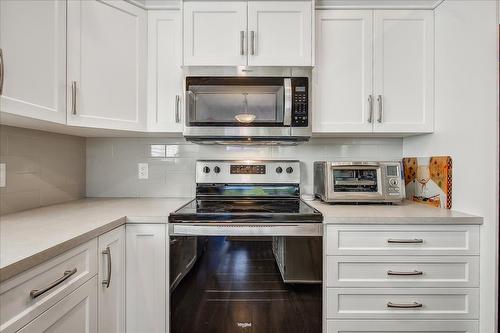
pixel 398 271
pixel 402 326
pixel 399 303
pixel 402 240
pixel 58 276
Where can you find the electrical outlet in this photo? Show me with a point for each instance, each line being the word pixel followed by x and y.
pixel 3 170
pixel 142 171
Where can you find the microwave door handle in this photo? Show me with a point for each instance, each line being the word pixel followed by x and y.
pixel 287 116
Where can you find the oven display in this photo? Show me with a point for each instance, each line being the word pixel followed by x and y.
pixel 248 169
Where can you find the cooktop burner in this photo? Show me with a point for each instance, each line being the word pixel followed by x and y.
pixel 240 210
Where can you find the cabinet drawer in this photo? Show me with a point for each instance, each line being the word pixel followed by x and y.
pixel 399 303
pixel 71 269
pixel 402 326
pixel 402 240
pixel 402 271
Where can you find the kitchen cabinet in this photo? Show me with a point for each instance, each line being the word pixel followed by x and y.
pixel 215 33
pixel 76 313
pixel 33 59
pixel 254 33
pixel 147 284
pixel 165 76
pixel 375 71
pixel 279 34
pixel 106 65
pixel 112 281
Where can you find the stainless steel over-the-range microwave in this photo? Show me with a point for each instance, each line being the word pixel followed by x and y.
pixel 359 182
pixel 247 109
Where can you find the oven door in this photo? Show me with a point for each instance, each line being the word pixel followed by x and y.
pixel 356 183
pixel 238 107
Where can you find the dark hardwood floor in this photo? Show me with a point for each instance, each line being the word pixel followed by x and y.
pixel 236 287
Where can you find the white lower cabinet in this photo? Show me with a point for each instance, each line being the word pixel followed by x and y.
pixel 402 326
pixel 111 286
pixel 76 313
pixel 147 284
pixel 401 278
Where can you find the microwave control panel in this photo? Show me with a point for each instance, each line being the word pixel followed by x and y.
pixel 300 102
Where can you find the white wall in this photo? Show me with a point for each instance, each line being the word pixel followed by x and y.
pixel 112 163
pixel 466 124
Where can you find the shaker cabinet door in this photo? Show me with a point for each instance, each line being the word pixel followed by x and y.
pixel 343 74
pixel 164 71
pixel 404 70
pixel 107 64
pixel 33 59
pixel 215 33
pixel 112 281
pixel 279 33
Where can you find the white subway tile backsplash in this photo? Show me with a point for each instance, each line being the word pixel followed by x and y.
pixel 112 162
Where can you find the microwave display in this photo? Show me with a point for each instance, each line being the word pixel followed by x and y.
pixel 355 180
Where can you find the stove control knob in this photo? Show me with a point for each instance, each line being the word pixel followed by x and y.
pixel 279 170
pixel 289 170
pixel 216 169
pixel 206 169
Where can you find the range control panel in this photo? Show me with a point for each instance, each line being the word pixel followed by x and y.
pixel 248 172
pixel 300 102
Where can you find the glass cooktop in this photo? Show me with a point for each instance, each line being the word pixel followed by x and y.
pixel 250 210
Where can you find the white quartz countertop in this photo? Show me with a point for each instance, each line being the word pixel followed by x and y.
pixel 31 237
pixel 407 212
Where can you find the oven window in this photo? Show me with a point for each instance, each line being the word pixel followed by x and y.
pixel 355 180
pixel 234 105
pixel 245 284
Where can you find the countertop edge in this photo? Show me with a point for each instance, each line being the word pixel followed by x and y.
pixel 25 264
pixel 405 220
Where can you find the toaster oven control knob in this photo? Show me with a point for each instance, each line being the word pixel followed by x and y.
pixel 206 169
pixel 289 170
pixel 216 169
pixel 393 182
pixel 279 170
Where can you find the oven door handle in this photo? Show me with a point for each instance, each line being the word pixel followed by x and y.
pixel 246 229
pixel 287 115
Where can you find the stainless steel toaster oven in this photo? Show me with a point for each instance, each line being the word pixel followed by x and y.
pixel 352 182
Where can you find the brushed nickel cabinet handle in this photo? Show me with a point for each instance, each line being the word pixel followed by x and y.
pixel 404 306
pixel 107 253
pixel 177 109
pixel 73 97
pixel 370 114
pixel 405 241
pixel 252 42
pixel 389 272
pixel 38 292
pixel 1 72
pixel 380 108
pixel 242 42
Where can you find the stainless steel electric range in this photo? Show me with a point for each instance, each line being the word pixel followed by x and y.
pixel 246 252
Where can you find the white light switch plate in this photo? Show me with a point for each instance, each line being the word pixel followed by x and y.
pixel 142 171
pixel 3 170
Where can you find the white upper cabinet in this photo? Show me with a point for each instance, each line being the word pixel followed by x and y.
pixel 33 47
pixel 164 71
pixel 375 71
pixel 111 275
pixel 215 33
pixel 279 33
pixel 107 64
pixel 254 33
pixel 343 73
pixel 404 70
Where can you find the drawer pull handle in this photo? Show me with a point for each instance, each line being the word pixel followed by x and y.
pixel 404 306
pixel 389 272
pixel 405 241
pixel 107 253
pixel 38 292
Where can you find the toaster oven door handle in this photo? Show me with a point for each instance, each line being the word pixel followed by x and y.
pixel 287 116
